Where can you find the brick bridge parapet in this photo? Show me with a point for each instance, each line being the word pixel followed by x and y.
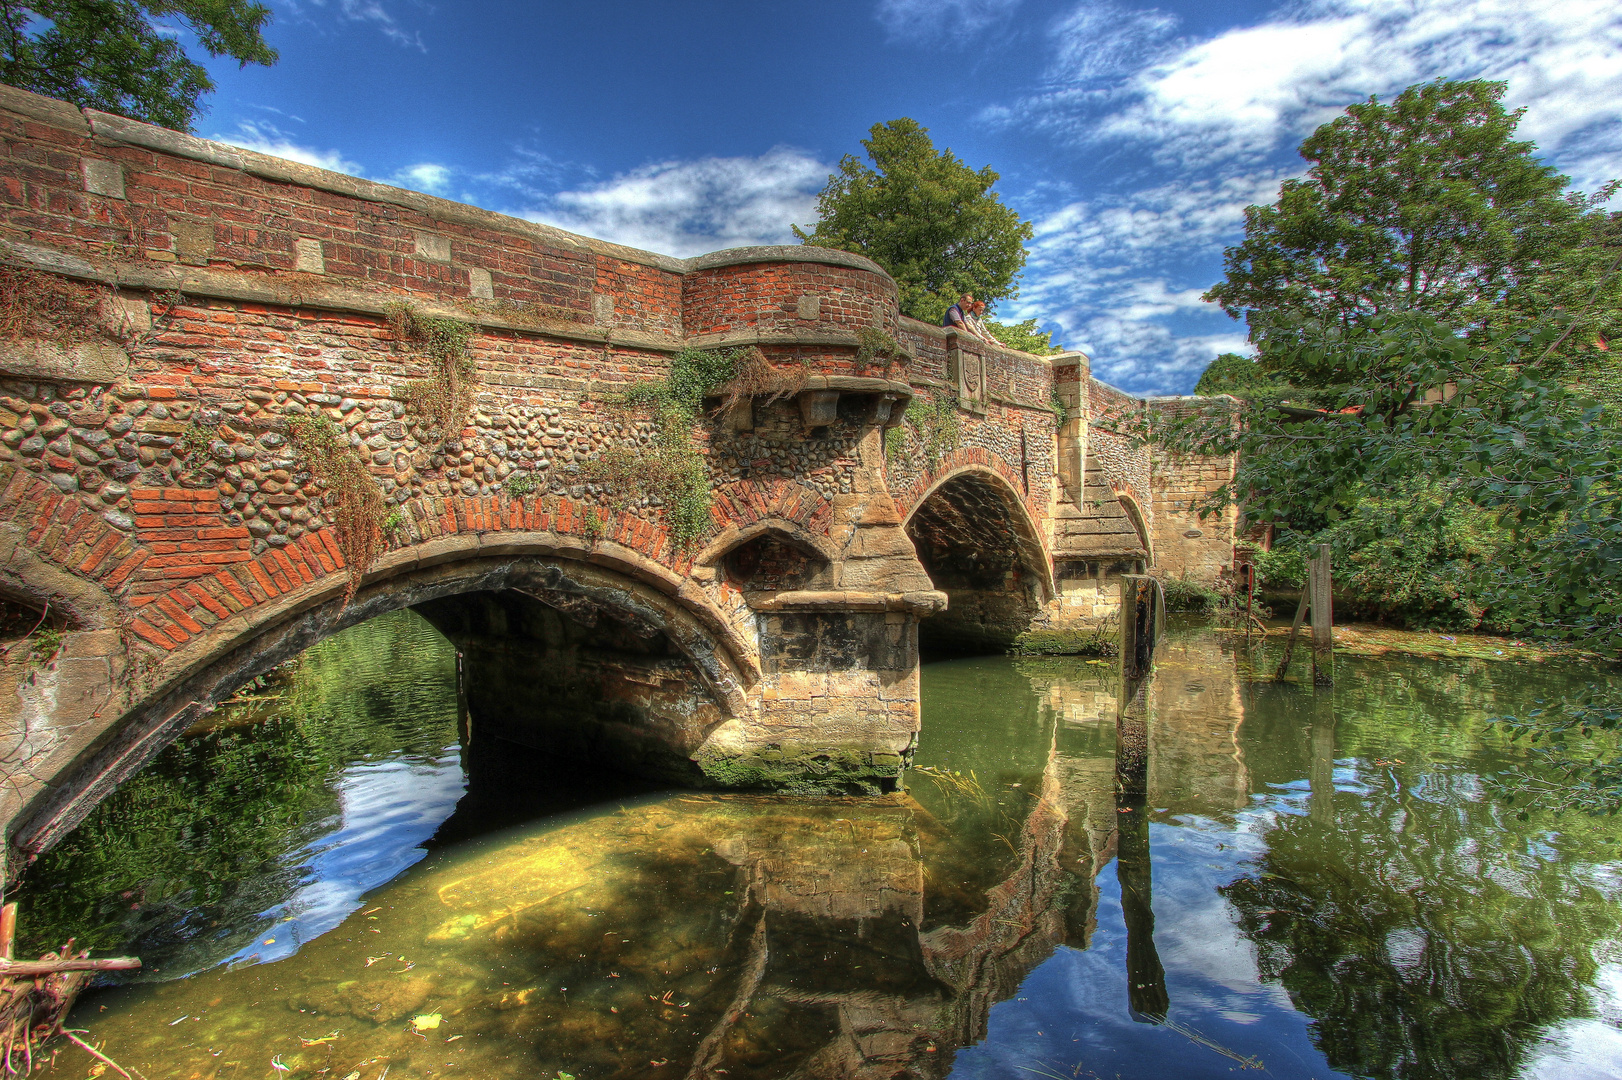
pixel 155 510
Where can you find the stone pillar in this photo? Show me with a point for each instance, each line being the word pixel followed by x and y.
pixel 837 704
pixel 1070 374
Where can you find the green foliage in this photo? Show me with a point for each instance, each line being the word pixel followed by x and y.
pixel 1241 376
pixel 1185 595
pixel 356 501
pixel 1061 412
pixel 1283 567
pixel 1428 204
pixel 443 399
pixel 1084 641
pixel 927 218
pixel 520 484
pixel 195 440
pixel 113 55
pixel 672 470
pixel 876 344
pixel 1023 336
pixel 44 643
pixel 933 422
pixel 1515 443
pixel 1420 559
pixel 199 837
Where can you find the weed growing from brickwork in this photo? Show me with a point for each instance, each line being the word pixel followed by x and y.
pixel 754 378
pixel 39 305
pixel 673 470
pixel 520 484
pixel 1060 412
pixel 875 344
pixel 444 398
pixel 933 422
pixel 357 503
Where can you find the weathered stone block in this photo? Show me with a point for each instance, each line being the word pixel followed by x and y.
pixel 105 178
pixel 308 256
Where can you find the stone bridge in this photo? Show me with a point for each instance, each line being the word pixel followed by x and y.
pixel 170 307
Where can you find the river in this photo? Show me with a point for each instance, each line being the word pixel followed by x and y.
pixel 1303 884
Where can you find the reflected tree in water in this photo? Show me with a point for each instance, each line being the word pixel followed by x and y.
pixel 1427 930
pixel 193 846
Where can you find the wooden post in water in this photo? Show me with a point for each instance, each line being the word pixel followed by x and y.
pixel 1147 1000
pixel 1323 637
pixel 1140 621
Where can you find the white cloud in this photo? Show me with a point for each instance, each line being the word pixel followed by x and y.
pixel 374 12
pixel 685 208
pixel 1222 114
pixel 269 139
pixel 426 176
pixel 932 20
pixel 1250 91
pixel 1111 273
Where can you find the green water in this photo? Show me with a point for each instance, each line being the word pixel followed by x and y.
pixel 1306 885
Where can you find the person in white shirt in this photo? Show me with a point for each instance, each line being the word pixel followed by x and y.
pixel 978 327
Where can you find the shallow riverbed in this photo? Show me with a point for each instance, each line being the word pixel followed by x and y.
pixel 1311 885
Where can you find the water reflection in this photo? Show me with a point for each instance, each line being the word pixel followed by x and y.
pixel 1319 885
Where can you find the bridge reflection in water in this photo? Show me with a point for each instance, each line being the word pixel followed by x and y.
pixel 731 935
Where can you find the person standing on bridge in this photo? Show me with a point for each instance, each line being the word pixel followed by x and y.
pixel 957 316
pixel 977 326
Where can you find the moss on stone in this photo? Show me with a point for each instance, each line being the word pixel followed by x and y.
pixel 1067 641
pixel 805 769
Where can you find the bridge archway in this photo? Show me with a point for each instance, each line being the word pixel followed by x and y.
pixel 979 545
pixel 540 629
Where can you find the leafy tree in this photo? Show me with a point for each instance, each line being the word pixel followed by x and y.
pixel 1232 373
pixel 1429 204
pixel 114 55
pixel 927 218
pixel 1514 439
pixel 1023 336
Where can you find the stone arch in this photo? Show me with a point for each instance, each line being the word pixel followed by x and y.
pixel 769 556
pixel 980 545
pixel 555 571
pixel 1134 514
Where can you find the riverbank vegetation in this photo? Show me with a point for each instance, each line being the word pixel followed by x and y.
pixel 1433 391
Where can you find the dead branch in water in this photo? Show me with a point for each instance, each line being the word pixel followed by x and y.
pixel 36 996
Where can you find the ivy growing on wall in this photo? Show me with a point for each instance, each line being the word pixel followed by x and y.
pixel 355 499
pixel 442 399
pixel 933 422
pixel 673 470
pixel 875 344
pixel 1061 413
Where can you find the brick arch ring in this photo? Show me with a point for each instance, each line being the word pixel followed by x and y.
pixel 195 677
pixel 1027 537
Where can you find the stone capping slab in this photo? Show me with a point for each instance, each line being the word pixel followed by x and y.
pixel 946 336
pixel 796 253
pixel 44 109
pixel 858 384
pixel 107 127
pixel 120 130
pixel 917 603
pixel 727 339
pixel 305 291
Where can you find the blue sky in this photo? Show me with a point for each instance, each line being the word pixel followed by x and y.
pixel 1132 136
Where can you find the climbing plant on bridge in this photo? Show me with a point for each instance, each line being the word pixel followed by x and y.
pixel 356 501
pixel 442 399
pixel 673 470
pixel 932 422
